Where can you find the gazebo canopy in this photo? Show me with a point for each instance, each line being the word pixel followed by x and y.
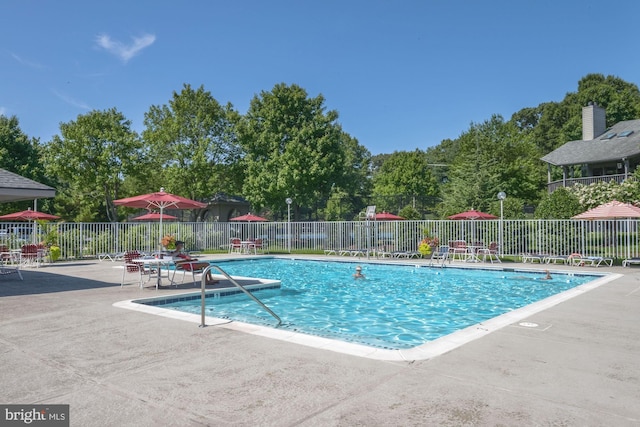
pixel 14 188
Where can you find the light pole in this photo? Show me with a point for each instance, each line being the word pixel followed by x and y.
pixel 501 196
pixel 289 201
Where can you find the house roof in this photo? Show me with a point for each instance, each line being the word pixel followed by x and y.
pixel 14 187
pixel 614 144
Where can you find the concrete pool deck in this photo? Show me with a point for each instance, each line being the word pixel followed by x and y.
pixel 63 342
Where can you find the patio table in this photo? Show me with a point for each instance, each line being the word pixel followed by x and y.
pixel 157 263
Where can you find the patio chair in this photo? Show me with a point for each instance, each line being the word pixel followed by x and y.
pixel 6 269
pixel 30 255
pixel 192 266
pixel 260 245
pixel 235 245
pixel 458 249
pixel 490 252
pixel 442 254
pixel 5 255
pixel 134 267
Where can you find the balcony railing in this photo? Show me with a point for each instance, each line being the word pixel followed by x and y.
pixel 569 182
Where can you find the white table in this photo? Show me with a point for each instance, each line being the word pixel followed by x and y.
pixel 248 246
pixel 473 252
pixel 156 263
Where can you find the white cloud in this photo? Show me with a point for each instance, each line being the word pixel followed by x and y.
pixel 69 100
pixel 123 51
pixel 27 63
pixel 3 111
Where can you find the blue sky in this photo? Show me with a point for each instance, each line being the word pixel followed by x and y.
pixel 401 74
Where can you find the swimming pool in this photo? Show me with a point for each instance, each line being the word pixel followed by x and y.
pixel 397 307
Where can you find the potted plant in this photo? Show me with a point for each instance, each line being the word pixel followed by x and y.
pixel 427 245
pixel 169 242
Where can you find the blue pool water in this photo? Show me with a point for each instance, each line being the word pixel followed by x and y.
pixel 394 307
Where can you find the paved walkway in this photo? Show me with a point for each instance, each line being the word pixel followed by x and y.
pixel 62 341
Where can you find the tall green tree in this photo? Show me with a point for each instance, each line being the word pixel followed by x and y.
pixel 293 148
pixel 192 145
pixel 492 157
pixel 403 173
pixel 90 159
pixel 19 154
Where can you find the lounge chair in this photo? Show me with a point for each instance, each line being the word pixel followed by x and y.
pixel 532 258
pixel 110 256
pixel 555 258
pixel 597 261
pixel 589 261
pixel 383 253
pixel 406 254
pixel 629 261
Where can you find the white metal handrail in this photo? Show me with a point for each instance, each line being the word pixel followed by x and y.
pixel 224 273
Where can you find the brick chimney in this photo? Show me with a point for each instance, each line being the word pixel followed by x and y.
pixel 594 121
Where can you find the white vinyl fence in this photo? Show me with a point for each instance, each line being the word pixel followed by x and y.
pixel 610 238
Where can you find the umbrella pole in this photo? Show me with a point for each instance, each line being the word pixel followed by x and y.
pixel 34 231
pixel 160 236
pixel 628 238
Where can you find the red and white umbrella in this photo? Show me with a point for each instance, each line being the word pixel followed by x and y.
pixel 613 210
pixel 159 200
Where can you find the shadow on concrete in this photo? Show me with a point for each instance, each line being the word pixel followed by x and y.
pixel 37 281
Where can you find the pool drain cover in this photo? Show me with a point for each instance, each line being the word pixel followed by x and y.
pixel 528 324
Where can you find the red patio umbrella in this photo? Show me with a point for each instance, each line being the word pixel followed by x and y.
pixel 472 215
pixel 29 215
pixel 159 200
pixel 249 218
pixel 154 216
pixel 386 216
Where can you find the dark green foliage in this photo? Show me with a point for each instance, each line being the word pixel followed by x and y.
pixel 561 204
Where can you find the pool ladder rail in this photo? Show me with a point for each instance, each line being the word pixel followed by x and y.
pixel 231 279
